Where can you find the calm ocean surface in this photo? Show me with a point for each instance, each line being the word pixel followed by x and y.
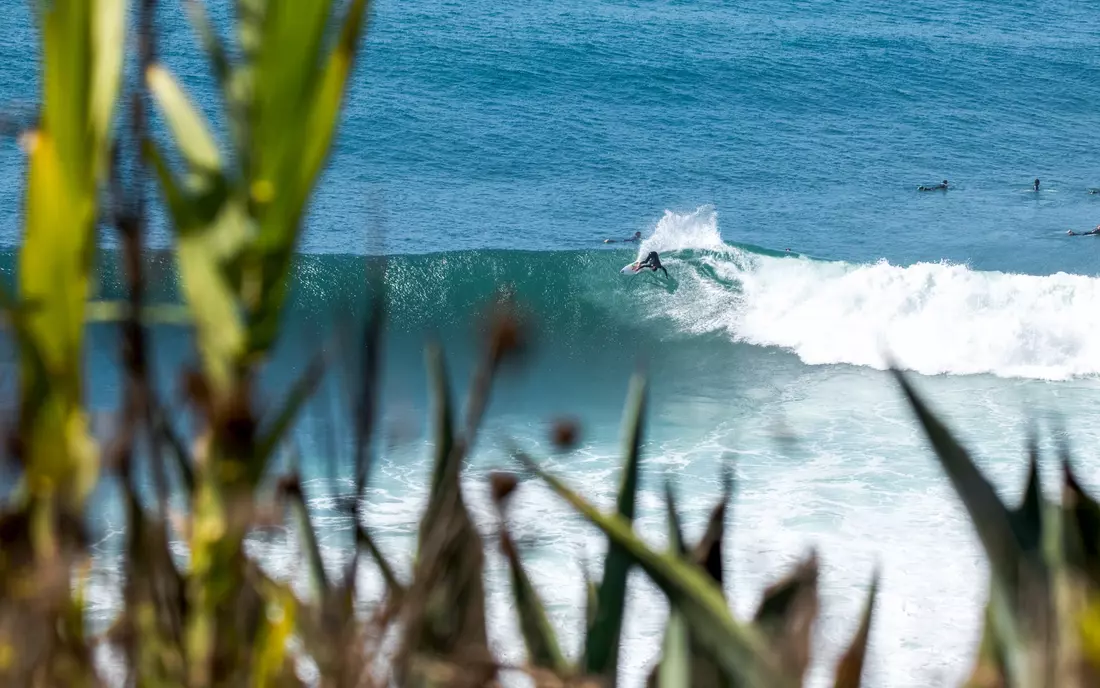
pixel 500 144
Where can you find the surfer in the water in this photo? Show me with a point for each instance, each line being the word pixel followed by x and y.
pixel 1091 232
pixel 1036 184
pixel 653 262
pixel 938 187
pixel 637 237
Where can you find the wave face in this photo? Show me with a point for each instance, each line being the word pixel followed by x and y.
pixel 932 318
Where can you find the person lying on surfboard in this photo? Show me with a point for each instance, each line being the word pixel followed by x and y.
pixel 1091 232
pixel 653 262
pixel 637 237
pixel 942 186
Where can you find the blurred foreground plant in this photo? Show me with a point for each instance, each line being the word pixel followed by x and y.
pixel 219 620
pixel 237 222
pixel 41 624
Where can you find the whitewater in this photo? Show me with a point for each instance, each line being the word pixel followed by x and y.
pixel 931 318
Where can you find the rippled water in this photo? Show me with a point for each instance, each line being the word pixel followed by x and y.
pixel 502 144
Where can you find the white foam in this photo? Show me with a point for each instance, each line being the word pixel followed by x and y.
pixel 932 318
pixel 680 231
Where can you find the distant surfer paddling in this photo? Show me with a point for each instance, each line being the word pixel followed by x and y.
pixel 636 238
pixel 942 186
pixel 653 262
pixel 1091 232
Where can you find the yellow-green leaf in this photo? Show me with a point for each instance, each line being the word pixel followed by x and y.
pixel 323 114
pixel 189 128
pixel 108 36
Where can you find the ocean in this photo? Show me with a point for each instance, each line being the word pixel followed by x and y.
pixel 770 152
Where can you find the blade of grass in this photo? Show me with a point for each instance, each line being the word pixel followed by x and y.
pixel 292 492
pixel 708 552
pixel 601 651
pixel 849 670
pixel 444 422
pixel 674 670
pixel 393 583
pixel 787 613
pixel 1027 518
pixel 1019 574
pixel 1080 527
pixel 675 530
pixel 538 634
pixel 987 512
pixel 446 463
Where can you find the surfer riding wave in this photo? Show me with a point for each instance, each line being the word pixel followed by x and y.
pixel 653 262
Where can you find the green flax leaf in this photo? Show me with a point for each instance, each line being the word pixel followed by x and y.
pixel 190 130
pixel 674 670
pixel 987 512
pixel 601 651
pixel 538 634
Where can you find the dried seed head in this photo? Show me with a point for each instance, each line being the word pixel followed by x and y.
pixel 195 389
pixel 565 433
pixel 507 338
pixel 501 485
pixel 235 421
pixel 288 485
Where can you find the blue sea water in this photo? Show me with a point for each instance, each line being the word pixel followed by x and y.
pixel 495 145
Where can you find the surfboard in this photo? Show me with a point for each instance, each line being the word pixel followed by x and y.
pixel 631 269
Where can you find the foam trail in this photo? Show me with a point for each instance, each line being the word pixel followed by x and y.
pixel 933 318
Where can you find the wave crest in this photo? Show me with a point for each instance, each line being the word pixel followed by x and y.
pixel 932 318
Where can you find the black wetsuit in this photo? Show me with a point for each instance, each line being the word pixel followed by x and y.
pixel 653 262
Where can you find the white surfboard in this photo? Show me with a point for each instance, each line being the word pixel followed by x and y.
pixel 631 269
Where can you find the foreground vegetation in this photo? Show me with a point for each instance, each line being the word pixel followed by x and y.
pixel 219 620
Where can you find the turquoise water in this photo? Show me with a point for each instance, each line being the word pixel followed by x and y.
pixel 499 145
